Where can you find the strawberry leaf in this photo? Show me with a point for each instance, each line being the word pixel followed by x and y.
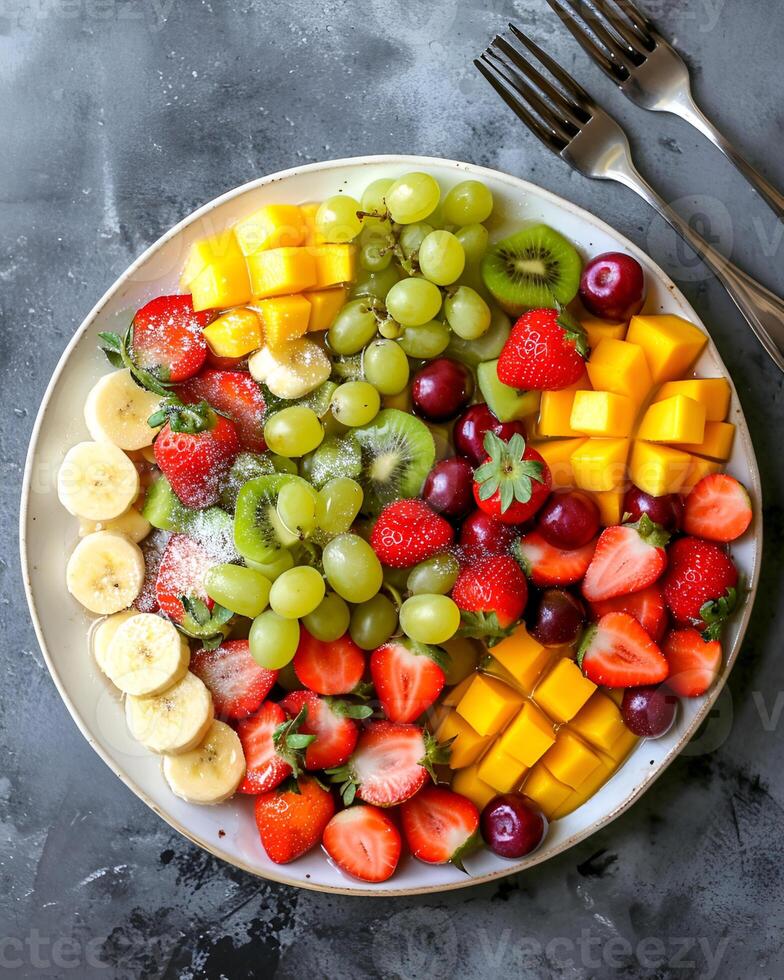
pixel 118 351
pixel 289 743
pixel 345 709
pixel 651 533
pixel 483 626
pixel 715 613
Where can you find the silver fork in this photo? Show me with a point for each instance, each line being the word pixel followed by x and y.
pixel 568 121
pixel 649 71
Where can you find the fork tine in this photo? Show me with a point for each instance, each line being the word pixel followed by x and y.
pixel 624 31
pixel 629 21
pixel 611 67
pixel 570 113
pixel 575 91
pixel 642 26
pixel 532 97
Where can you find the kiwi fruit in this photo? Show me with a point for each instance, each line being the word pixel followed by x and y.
pixel 336 456
pixel 259 533
pixel 504 402
pixel 534 268
pixel 398 451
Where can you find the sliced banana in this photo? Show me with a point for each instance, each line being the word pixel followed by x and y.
pixel 293 371
pixel 105 572
pixel 97 481
pixel 132 524
pixel 146 655
pixel 117 410
pixel 103 635
pixel 212 771
pixel 173 722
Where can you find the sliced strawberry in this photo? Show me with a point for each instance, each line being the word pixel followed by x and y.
pixel 364 842
pixel 334 667
pixel 237 683
pixel 440 826
pixel 647 606
pixel 545 564
pixel 333 724
pixel 235 394
pixel 181 573
pixel 493 592
pixel 694 663
pixel 617 652
pixel 628 557
pixel 291 821
pixel 408 677
pixel 272 746
pixel 718 508
pixel 167 338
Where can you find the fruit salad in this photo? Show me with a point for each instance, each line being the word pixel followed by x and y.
pixel 407 534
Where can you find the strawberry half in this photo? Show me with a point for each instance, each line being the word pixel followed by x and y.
pixel 237 683
pixel 331 722
pixel 617 652
pixel 491 594
pixel 181 572
pixel 273 748
pixel 628 557
pixel 328 667
pixel 544 564
pixel 647 606
pixel 694 663
pixel 513 482
pixel 700 587
pixel 167 338
pixel 718 508
pixel 407 532
pixel 408 677
pixel 292 821
pixel 236 395
pixel 546 351
pixel 440 826
pixel 364 842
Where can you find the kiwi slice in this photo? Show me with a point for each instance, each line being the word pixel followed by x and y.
pixel 258 531
pixel 211 526
pixel 504 402
pixel 336 456
pixel 398 452
pixel 534 268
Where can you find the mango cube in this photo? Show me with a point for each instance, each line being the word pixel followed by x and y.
pixel 277 271
pixel 555 410
pixel 598 329
pixel 529 736
pixel 454 696
pixel 658 469
pixel 467 783
pixel 309 212
pixel 488 704
pixel 215 249
pixel 610 504
pixel 620 367
pixel 716 442
pixel 235 333
pixel 523 657
pixel 564 690
pixel 570 760
pixel 593 782
pixel 272 226
pixel 713 393
pixel 467 746
pixel 285 318
pixel 622 746
pixel 599 722
pixel 324 307
pixel 547 792
pixel 499 770
pixel 698 468
pixel 220 285
pixel 558 456
pixel 600 464
pixel 671 344
pixel 602 413
pixel 676 419
pixel 335 264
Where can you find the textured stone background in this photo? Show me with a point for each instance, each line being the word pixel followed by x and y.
pixel 118 118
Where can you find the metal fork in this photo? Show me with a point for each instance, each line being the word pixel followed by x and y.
pixel 649 71
pixel 568 121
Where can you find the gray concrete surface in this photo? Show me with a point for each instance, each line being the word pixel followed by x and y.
pixel 117 119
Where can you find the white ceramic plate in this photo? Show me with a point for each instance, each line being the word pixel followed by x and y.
pixel 48 533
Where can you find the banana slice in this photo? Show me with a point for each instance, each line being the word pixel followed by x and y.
pixel 97 481
pixel 212 771
pixel 173 722
pixel 293 371
pixel 105 572
pixel 117 410
pixel 146 655
pixel 103 635
pixel 132 524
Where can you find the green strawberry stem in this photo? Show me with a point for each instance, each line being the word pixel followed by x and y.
pixel 506 472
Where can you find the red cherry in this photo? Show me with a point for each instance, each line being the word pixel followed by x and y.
pixel 441 389
pixel 613 286
pixel 511 826
pixel 481 536
pixel 649 711
pixel 448 487
pixel 569 520
pixel 666 510
pixel 472 426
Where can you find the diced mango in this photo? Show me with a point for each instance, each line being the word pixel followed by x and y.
pixel 454 696
pixel 309 211
pixel 658 469
pixel 499 770
pixel 285 318
pixel 217 249
pixel 324 307
pixel 555 409
pixel 467 746
pixel 610 504
pixel 698 468
pixel 676 419
pixel 671 344
pixel 563 691
pixel 622 746
pixel 335 264
pixel 488 704
pixel 621 367
pixel 220 285
pixel 716 442
pixel 599 721
pixel 234 333
pixel 278 271
pixel 467 783
pixel 600 464
pixel 545 790
pixel 598 329
pixel 272 226
pixel 557 453
pixel 593 782
pixel 570 760
pixel 713 393
pixel 529 736
pixel 602 413
pixel 523 656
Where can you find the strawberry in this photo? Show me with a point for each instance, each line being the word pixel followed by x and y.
pixel 647 607
pixel 236 395
pixel 408 677
pixel 617 652
pixel 700 587
pixel 237 683
pixel 407 532
pixel 544 564
pixel 167 339
pixel 440 826
pixel 718 508
pixel 628 557
pixel 291 820
pixel 513 482
pixel 273 747
pixel 390 763
pixel 491 594
pixel 546 351
pixel 328 667
pixel 181 572
pixel 332 722
pixel 194 450
pixel 694 662
pixel 364 842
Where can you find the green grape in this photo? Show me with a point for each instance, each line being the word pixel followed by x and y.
pixel 488 346
pixel 373 197
pixel 272 569
pixel 283 464
pixel 429 618
pixel 354 327
pixel 468 203
pixel 467 313
pixel 352 568
pixel 336 219
pixel 413 302
pixel 297 508
pixel 243 590
pixel 273 640
pixel 435 575
pixel 412 197
pixel 375 255
pixel 329 620
pixel 390 329
pixel 355 403
pixel 297 592
pixel 376 285
pixel 386 366
pixel 373 622
pixel 412 236
pixel 425 341
pixel 338 504
pixel 293 431
pixel 441 258
pixel 474 240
